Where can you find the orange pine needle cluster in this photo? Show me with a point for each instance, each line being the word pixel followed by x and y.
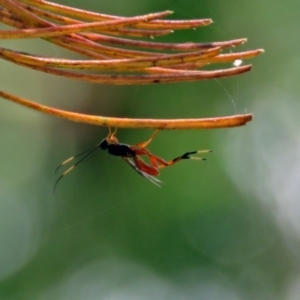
pixel 114 56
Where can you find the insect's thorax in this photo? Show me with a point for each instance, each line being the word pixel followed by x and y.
pixel 117 149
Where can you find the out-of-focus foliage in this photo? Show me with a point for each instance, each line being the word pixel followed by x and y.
pixel 224 229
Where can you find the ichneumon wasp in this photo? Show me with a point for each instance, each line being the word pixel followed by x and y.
pixel 132 155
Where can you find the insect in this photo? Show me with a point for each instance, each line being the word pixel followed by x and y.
pixel 132 155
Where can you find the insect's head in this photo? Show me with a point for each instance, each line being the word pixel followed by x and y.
pixel 103 144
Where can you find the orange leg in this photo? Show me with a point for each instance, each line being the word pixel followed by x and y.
pixel 179 158
pixel 111 135
pixel 141 172
pixel 144 167
pixel 156 162
pixel 159 163
pixel 145 144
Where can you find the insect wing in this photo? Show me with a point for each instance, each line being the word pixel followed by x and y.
pixel 154 180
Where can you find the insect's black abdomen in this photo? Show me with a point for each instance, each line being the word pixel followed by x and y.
pixel 120 150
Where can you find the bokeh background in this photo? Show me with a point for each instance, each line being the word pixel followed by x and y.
pixel 228 228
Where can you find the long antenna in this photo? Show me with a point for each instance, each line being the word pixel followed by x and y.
pixel 91 150
pixel 71 158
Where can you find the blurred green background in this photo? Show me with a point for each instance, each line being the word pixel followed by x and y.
pixel 228 228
